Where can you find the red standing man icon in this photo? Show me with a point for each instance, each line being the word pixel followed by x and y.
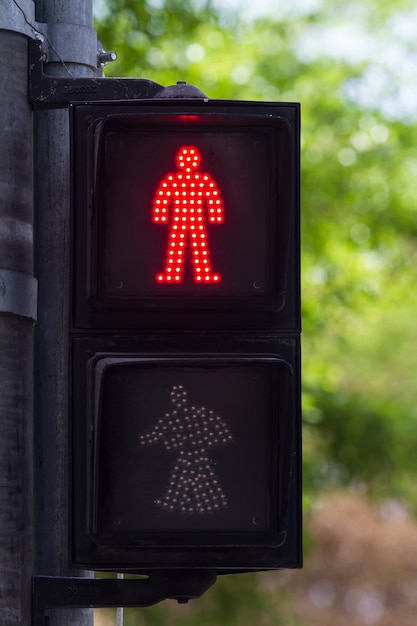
pixel 194 199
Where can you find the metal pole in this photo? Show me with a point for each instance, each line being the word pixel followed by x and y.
pixel 71 50
pixel 17 314
pixel 119 613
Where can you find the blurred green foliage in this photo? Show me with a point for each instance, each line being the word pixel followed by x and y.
pixel 359 213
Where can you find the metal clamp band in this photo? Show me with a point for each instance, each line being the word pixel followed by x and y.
pixel 18 17
pixel 70 43
pixel 18 294
pixel 62 43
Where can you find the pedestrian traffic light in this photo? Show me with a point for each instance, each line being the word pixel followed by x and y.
pixel 185 335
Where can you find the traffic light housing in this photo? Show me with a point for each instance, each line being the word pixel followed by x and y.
pixel 185 336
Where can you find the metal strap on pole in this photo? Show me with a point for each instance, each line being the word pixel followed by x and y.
pixel 18 16
pixel 18 294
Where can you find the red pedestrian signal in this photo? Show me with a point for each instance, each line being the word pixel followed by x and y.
pixel 146 248
pixel 193 199
pixel 185 336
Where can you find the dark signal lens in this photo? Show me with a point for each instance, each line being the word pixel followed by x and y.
pixel 186 214
pixel 178 447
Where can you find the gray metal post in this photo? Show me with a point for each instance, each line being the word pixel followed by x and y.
pixel 71 51
pixel 17 314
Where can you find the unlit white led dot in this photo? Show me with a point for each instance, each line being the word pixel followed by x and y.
pixel 193 487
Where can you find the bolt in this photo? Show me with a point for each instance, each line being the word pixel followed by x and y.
pixel 104 57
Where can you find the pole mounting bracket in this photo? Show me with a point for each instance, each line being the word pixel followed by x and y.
pixel 48 92
pixel 51 592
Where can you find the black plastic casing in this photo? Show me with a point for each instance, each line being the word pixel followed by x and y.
pixel 233 347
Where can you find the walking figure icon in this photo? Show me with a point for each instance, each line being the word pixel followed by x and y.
pixel 194 199
pixel 189 430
